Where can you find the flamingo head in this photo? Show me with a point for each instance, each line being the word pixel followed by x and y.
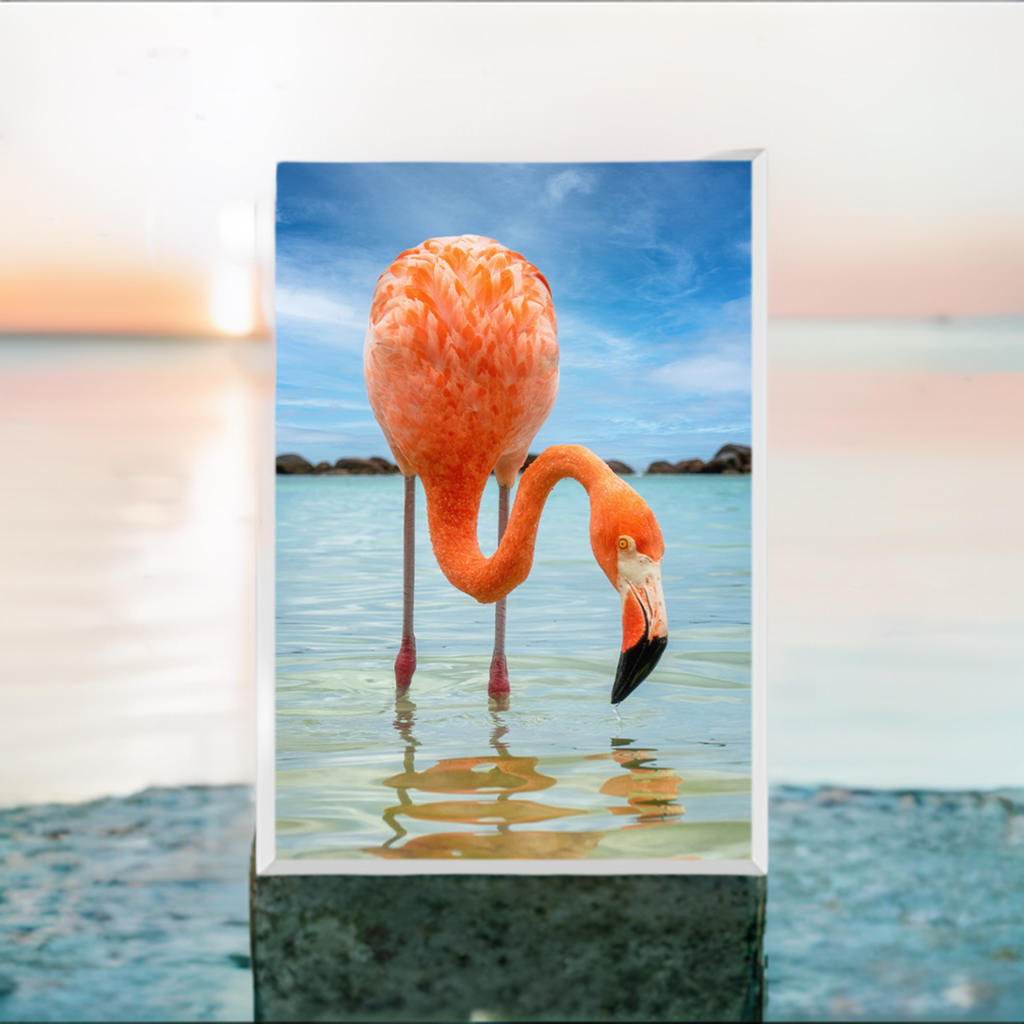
pixel 628 545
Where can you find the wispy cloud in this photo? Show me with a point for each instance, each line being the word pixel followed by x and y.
pixel 726 371
pixel 292 433
pixel 561 184
pixel 737 429
pixel 634 425
pixel 321 403
pixel 671 269
pixel 734 315
pixel 315 306
pixel 584 344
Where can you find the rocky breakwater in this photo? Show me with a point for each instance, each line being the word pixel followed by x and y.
pixel 295 465
pixel 730 459
pixel 613 464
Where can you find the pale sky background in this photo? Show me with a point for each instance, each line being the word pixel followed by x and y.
pixel 649 265
pixel 892 130
pixel 142 141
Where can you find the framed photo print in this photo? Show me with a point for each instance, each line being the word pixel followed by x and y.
pixel 519 520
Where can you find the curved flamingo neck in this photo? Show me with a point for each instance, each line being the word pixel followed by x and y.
pixel 453 508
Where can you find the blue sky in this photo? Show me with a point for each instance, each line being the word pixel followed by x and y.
pixel 649 267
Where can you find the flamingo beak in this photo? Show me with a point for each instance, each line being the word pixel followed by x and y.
pixel 644 626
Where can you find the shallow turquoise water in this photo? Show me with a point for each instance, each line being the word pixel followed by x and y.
pixel 444 772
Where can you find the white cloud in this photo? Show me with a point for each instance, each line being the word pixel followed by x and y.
pixel 734 314
pixel 356 432
pixel 582 345
pixel 721 372
pixel 672 275
pixel 560 185
pixel 309 305
pixel 321 403
pixel 656 428
pixel 739 428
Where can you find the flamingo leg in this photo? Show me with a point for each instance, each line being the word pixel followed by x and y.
pixel 405 663
pixel 499 684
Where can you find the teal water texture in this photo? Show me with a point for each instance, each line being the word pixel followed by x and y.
pixel 444 772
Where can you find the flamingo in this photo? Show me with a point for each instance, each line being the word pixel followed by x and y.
pixel 461 365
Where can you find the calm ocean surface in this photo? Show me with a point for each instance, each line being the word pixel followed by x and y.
pixel 440 773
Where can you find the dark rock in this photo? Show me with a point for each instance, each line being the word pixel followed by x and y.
pixel 739 451
pixel 730 459
pixel 619 467
pixel 383 466
pixel 294 464
pixel 685 466
pixel 365 467
pixel 321 467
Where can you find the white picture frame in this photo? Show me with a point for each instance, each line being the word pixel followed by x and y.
pixel 268 861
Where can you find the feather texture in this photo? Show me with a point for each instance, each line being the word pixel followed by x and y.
pixel 461 357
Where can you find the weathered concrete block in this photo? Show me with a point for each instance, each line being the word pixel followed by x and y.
pixel 507 947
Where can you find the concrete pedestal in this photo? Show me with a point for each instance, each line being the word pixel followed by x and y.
pixel 508 947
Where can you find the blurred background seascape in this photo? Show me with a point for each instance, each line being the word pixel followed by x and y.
pixel 138 149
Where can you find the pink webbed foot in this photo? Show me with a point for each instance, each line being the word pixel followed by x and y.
pixel 405 663
pixel 499 685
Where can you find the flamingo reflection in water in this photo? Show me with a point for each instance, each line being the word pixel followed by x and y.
pixel 649 792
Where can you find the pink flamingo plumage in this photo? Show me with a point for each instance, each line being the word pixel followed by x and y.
pixel 461 363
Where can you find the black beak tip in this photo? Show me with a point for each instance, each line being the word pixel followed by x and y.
pixel 636 663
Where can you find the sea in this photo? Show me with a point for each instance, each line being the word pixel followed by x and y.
pixel 554 772
pixel 896 881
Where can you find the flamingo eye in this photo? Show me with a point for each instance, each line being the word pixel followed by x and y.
pixel 623 543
